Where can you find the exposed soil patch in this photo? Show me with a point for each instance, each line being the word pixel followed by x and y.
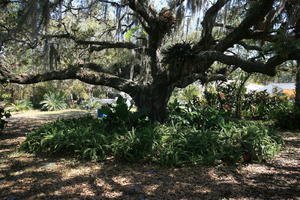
pixel 23 176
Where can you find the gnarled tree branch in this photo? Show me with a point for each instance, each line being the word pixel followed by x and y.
pixel 255 14
pixel 146 13
pixel 209 22
pixel 89 73
pixel 268 68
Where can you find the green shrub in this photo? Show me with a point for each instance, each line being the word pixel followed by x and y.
pixel 253 139
pixel 287 117
pixel 190 146
pixel 54 101
pixel 233 100
pixel 223 97
pixel 181 145
pixel 73 136
pixel 165 144
pixel 192 114
pixel 262 105
pixel 19 105
pixel 187 94
pixel 135 145
pixel 120 116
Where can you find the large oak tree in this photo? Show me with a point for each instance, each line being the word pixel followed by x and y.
pixel 267 31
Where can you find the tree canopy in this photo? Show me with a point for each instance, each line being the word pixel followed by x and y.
pixel 145 48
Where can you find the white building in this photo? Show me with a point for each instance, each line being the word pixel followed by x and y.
pixel 270 88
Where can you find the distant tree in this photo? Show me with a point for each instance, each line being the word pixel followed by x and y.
pixel 75 37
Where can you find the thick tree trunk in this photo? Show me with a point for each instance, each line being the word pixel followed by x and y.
pixel 154 102
pixel 297 99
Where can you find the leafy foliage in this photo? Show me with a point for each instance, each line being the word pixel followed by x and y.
pixel 188 94
pixel 120 116
pixel 192 114
pixel 75 136
pixel 288 117
pixel 54 101
pixel 20 105
pixel 253 105
pixel 180 145
pixel 262 105
pixel 130 33
pixel 223 97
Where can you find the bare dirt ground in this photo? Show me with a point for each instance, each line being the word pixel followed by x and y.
pixel 23 176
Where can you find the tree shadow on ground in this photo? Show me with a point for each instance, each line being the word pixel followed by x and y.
pixel 145 182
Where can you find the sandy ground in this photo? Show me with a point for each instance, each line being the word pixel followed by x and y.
pixel 23 176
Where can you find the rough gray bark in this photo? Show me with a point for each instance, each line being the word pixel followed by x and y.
pixel 154 101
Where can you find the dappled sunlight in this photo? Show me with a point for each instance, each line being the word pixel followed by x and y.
pixel 122 180
pixel 258 169
pixel 84 170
